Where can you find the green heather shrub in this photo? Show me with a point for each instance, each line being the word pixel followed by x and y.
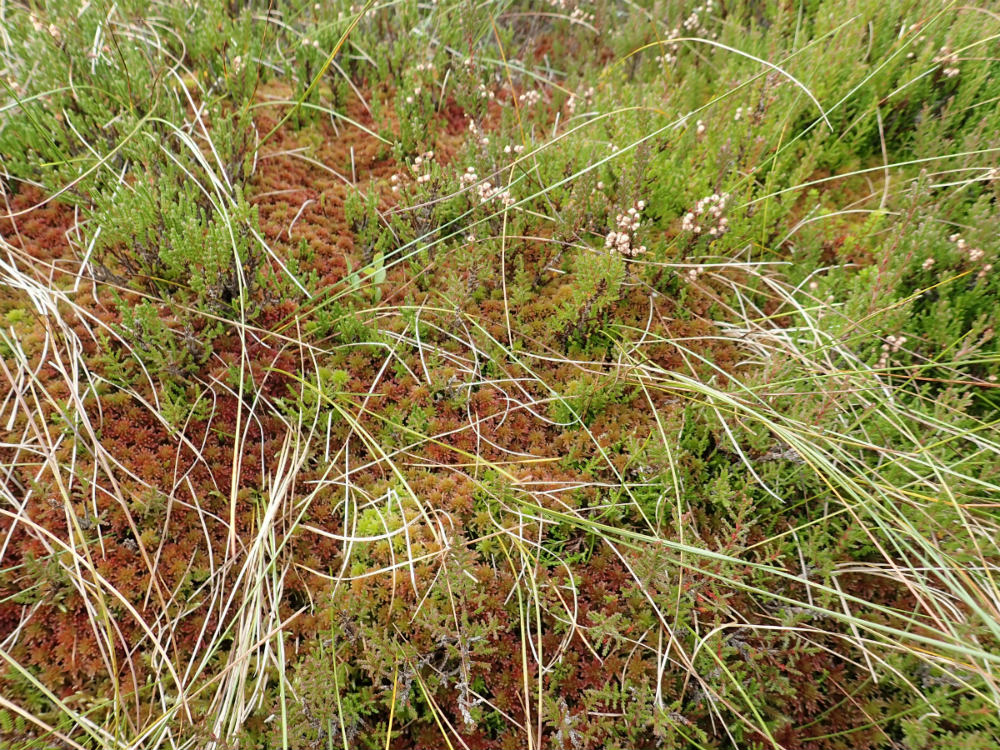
pixel 499 375
pixel 160 157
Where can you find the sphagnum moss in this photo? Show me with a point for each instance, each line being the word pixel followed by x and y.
pixel 544 375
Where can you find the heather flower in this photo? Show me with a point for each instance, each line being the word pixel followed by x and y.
pixel 707 216
pixel 949 60
pixel 529 98
pixel 621 240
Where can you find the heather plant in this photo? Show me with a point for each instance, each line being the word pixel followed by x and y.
pixel 537 374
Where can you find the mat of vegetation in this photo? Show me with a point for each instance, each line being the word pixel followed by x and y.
pixel 499 374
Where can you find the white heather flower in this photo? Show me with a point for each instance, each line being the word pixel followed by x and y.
pixel 529 98
pixel 709 208
pixel 699 127
pixel 621 240
pixel 587 97
pixel 893 343
pixel 949 60
pixel 928 264
pixel 486 191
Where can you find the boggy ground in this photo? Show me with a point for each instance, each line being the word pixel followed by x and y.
pixel 446 459
pixel 458 437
